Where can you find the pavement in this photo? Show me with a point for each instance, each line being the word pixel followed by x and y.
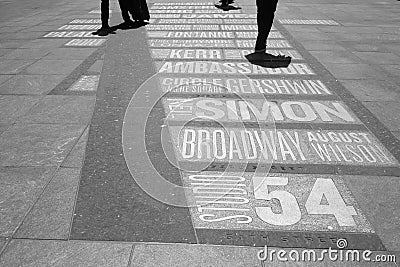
pixel 163 145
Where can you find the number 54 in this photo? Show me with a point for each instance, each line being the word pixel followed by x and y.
pixel 291 213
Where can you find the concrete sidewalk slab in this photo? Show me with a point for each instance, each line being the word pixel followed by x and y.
pixel 69 53
pixel 14 66
pixel 19 190
pixel 39 84
pixel 61 109
pixel 387 112
pixel 373 90
pixel 180 255
pixel 65 253
pixel 379 198
pixel 50 217
pixel 44 66
pixel 77 154
pixel 14 107
pixel 37 144
pixel 27 53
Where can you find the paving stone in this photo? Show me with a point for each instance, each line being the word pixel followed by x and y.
pixel 193 255
pixel 378 58
pixel 19 190
pixel 31 84
pixel 11 43
pixel 394 48
pixel 372 90
pixel 322 46
pixel 387 112
pixel 307 36
pixel 379 198
pixel 354 71
pixel 4 127
pixel 97 66
pixel 27 54
pixel 70 53
pixel 11 66
pixel 75 158
pixel 335 57
pixel 5 77
pixel 65 253
pixel 61 109
pixel 37 144
pixel 53 66
pixel 40 43
pixel 50 217
pixel 13 107
pixel 397 134
pixel 4 51
pixel 2 242
pixel 393 70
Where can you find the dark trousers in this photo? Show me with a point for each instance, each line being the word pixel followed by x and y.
pixel 105 13
pixel 265 16
pixel 124 6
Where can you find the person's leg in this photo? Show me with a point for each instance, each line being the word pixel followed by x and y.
pixel 123 5
pixel 265 17
pixel 105 13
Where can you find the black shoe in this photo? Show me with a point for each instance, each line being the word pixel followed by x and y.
pixel 262 56
pixel 127 24
pixel 103 31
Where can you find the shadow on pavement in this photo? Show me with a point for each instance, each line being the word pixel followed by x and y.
pixel 121 26
pixel 269 61
pixel 227 5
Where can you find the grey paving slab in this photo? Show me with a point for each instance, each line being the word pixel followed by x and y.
pixel 5 77
pixel 379 198
pixel 2 242
pixel 307 36
pixel 394 48
pixel 355 71
pixel 177 255
pixel 11 43
pixel 4 51
pixel 12 66
pixel 393 70
pixel 37 28
pixel 97 66
pixel 53 66
pixel 35 53
pixel 372 90
pixel 30 84
pixel 13 107
pixel 335 57
pixel 37 144
pixel 70 53
pixel 4 127
pixel 378 57
pixel 65 253
pixel 387 112
pixel 19 188
pixel 322 46
pixel 41 43
pixel 75 158
pixel 397 134
pixel 50 217
pixel 61 109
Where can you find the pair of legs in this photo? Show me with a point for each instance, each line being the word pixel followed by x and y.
pixel 124 5
pixel 265 17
